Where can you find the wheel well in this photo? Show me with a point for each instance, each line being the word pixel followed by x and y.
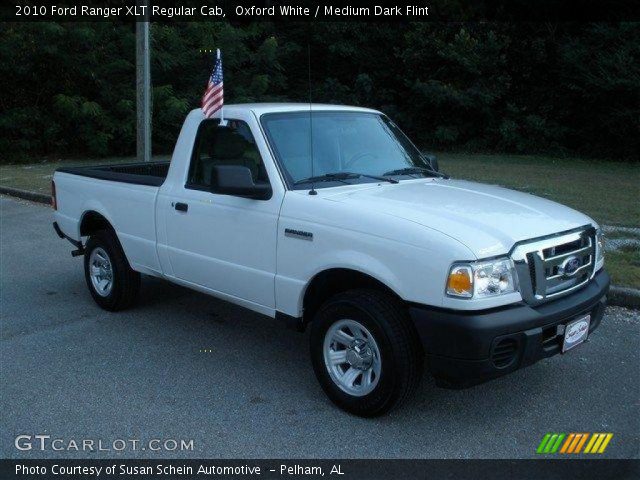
pixel 331 282
pixel 93 222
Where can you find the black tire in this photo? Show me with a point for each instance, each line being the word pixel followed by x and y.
pixel 125 281
pixel 402 358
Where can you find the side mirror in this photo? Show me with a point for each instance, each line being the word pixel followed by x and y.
pixel 433 160
pixel 237 180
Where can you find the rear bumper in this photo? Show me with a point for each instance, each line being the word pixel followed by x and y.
pixel 465 348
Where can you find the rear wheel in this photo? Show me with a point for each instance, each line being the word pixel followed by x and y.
pixel 113 284
pixel 365 352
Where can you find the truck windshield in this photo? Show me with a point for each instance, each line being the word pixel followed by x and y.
pixel 361 143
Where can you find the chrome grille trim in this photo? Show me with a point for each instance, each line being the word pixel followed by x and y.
pixel 540 270
pixel 568 254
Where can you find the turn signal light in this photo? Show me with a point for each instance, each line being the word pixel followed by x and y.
pixel 460 282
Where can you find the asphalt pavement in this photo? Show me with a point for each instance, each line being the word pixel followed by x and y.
pixel 185 366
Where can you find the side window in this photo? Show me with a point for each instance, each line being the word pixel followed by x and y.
pixel 232 144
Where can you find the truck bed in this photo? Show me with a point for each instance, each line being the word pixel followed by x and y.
pixel 152 173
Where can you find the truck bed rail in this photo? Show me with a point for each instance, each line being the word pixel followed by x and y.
pixel 152 173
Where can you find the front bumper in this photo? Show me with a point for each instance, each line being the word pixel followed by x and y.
pixel 465 348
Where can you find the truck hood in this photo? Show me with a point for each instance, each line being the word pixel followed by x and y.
pixel 488 219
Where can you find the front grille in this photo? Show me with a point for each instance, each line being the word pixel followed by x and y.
pixel 557 277
pixel 504 352
pixel 555 266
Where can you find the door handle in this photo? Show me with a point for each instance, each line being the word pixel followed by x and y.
pixel 181 207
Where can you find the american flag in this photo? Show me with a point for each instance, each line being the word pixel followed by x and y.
pixel 213 97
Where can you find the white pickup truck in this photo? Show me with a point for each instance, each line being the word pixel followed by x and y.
pixel 329 216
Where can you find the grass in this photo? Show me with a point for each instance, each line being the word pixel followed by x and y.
pixel 605 190
pixel 624 267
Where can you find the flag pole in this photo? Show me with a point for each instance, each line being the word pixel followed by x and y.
pixel 221 108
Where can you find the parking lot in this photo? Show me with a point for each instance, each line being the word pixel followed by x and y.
pixel 185 366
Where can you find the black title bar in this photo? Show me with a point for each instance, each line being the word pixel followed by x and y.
pixel 322 10
pixel 339 469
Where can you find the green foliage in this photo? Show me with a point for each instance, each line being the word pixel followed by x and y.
pixel 71 89
pixel 523 88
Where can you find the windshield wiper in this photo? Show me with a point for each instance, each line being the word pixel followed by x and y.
pixel 341 177
pixel 410 170
pixel 327 177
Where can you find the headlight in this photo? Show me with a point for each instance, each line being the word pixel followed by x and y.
pixel 481 279
pixel 599 249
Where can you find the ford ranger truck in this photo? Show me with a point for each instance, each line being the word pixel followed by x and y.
pixel 329 217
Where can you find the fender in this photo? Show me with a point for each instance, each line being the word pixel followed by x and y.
pixel 93 205
pixel 290 292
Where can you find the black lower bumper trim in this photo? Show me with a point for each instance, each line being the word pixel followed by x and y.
pixel 466 348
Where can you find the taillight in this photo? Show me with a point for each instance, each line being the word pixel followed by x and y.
pixel 54 202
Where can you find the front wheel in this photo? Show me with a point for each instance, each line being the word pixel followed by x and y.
pixel 365 352
pixel 113 284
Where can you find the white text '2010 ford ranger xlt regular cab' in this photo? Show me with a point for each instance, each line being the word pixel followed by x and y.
pixel 388 260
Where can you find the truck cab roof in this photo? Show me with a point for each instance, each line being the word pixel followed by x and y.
pixel 261 108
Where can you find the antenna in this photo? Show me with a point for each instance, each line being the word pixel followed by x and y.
pixel 313 189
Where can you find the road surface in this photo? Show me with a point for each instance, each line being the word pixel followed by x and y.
pixel 184 366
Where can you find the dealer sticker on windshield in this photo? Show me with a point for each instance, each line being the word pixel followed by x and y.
pixel 576 332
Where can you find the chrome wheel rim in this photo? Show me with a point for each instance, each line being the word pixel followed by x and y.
pixel 352 357
pixel 100 272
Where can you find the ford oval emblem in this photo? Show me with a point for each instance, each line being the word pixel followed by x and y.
pixel 570 266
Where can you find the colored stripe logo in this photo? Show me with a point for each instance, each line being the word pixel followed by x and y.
pixel 574 443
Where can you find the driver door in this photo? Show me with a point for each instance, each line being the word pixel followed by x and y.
pixel 223 243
